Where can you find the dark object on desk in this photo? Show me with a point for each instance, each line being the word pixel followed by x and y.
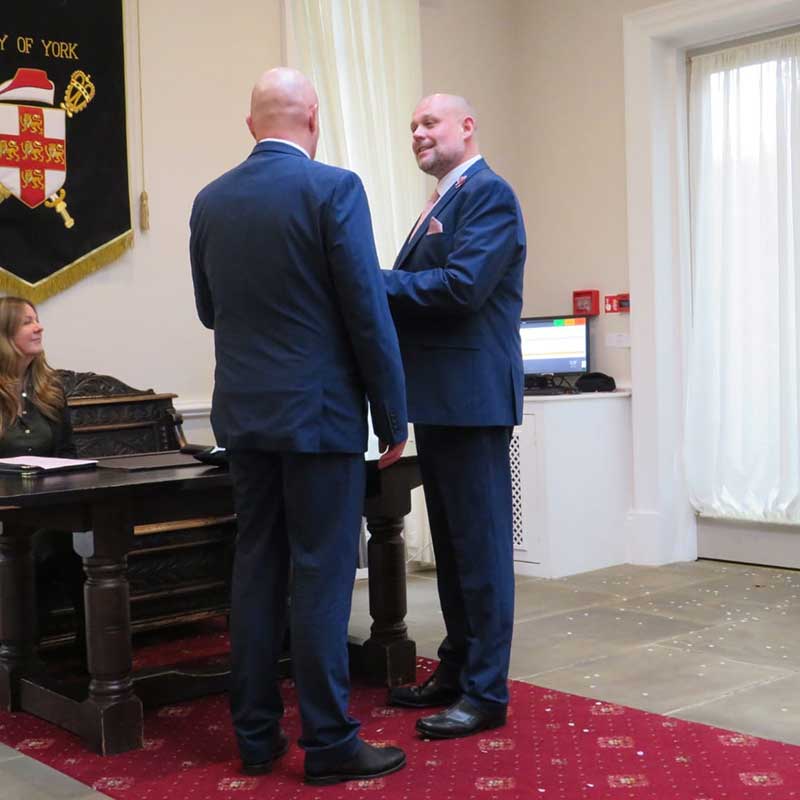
pixel 179 569
pixel 135 463
pixel 595 382
pixel 214 456
pixel 534 391
pixel 547 385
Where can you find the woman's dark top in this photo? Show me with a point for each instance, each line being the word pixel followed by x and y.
pixel 59 575
pixel 34 434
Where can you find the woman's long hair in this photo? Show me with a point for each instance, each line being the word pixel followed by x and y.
pixel 40 381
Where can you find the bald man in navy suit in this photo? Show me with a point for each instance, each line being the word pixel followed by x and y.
pixel 286 274
pixel 456 296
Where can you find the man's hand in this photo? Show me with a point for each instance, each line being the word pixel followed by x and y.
pixel 390 454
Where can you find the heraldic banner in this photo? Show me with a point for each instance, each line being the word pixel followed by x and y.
pixel 64 201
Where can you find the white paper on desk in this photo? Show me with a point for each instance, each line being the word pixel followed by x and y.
pixel 41 462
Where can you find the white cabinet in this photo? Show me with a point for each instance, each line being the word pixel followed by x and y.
pixel 572 478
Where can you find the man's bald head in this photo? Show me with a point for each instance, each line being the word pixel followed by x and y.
pixel 284 105
pixel 452 104
pixel 444 133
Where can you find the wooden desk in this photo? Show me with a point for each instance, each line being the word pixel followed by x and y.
pixel 103 506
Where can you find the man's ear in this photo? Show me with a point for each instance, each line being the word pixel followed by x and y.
pixel 249 121
pixel 313 119
pixel 468 126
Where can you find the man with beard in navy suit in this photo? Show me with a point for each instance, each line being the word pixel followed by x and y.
pixel 286 274
pixel 456 297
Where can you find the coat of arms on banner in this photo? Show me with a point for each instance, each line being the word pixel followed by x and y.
pixel 33 140
pixel 64 204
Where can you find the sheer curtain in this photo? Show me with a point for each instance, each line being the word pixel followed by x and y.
pixel 742 425
pixel 365 60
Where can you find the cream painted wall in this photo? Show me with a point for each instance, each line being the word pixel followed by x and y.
pixel 467 48
pixel 571 177
pixel 135 318
pixel 545 75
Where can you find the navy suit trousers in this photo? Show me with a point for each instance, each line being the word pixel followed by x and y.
pixel 303 510
pixel 467 480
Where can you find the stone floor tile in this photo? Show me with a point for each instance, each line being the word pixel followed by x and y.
pixel 565 639
pixel 27 779
pixel 628 580
pixel 542 598
pixel 704 603
pixel 761 587
pixel 771 710
pixel 656 678
pixel 8 752
pixel 713 568
pixel 752 641
pixel 428 646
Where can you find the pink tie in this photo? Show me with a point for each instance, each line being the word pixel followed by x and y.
pixel 425 211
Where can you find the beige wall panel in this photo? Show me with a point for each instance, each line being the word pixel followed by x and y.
pixel 136 317
pixel 545 75
pixel 571 177
pixel 468 48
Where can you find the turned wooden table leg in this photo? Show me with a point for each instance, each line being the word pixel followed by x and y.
pixel 112 712
pixel 389 655
pixel 17 612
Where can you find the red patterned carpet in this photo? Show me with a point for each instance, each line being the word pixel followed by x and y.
pixel 555 746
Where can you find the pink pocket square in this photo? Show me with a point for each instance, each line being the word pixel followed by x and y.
pixel 434 226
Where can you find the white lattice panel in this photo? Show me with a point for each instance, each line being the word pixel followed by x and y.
pixel 516 493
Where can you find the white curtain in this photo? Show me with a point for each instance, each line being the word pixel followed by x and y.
pixel 743 393
pixel 365 60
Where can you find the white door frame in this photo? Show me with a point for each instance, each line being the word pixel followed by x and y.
pixel 661 526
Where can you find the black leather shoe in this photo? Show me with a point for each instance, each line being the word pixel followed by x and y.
pixel 369 762
pixel 461 719
pixel 280 744
pixel 435 691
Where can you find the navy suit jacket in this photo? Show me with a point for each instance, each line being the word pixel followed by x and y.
pixel 456 298
pixel 286 273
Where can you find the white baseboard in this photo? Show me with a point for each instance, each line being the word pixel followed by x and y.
pixel 749 542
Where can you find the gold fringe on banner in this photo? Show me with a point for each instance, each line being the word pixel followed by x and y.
pixel 68 275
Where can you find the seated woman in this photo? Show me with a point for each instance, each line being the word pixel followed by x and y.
pixel 34 420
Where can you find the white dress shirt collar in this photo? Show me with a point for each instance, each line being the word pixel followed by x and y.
pixel 448 180
pixel 286 141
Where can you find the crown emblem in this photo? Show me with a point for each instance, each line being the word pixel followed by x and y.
pixel 78 94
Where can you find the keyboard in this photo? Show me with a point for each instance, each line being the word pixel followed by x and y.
pixel 534 390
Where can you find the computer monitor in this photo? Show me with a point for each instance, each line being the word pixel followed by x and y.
pixel 554 346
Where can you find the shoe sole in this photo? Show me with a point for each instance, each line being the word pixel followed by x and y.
pixel 328 780
pixel 430 735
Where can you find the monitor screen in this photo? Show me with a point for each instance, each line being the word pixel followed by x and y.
pixel 557 345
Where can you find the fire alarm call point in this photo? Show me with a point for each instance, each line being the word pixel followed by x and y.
pixel 586 302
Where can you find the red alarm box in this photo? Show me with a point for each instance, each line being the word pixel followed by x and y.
pixel 586 302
